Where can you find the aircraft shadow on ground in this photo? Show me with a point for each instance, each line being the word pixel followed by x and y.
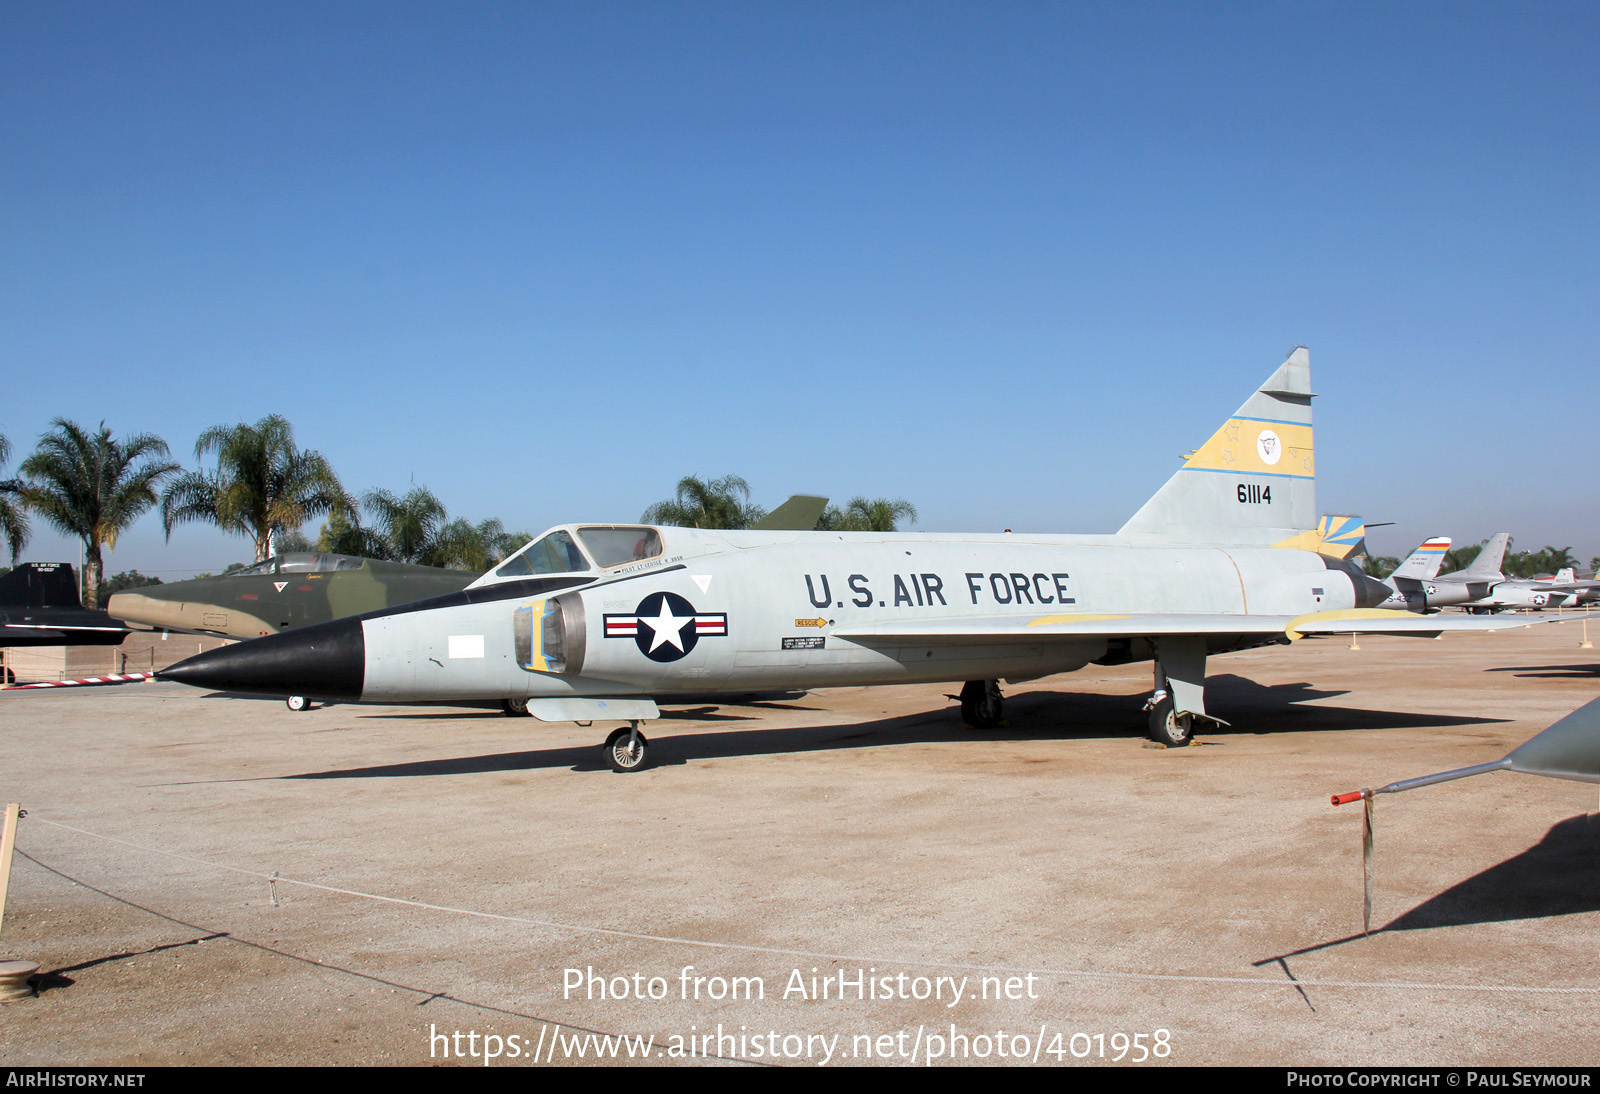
pixel 447 711
pixel 1248 707
pixel 1559 875
pixel 1552 672
pixel 1030 716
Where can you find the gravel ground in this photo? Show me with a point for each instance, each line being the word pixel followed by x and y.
pixel 1085 893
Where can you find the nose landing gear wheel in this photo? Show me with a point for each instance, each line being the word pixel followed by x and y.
pixel 514 708
pixel 297 703
pixel 626 749
pixel 1167 727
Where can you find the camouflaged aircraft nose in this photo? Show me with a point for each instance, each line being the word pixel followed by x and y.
pixel 324 661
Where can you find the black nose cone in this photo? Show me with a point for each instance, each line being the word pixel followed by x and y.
pixel 323 661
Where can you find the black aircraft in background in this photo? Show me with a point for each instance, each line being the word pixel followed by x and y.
pixel 39 606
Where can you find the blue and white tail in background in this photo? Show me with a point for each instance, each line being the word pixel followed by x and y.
pixel 1253 483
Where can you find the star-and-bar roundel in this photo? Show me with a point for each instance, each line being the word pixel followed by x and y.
pixel 666 627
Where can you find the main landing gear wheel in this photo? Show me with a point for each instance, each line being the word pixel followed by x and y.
pixel 1168 727
pixel 981 704
pixel 297 703
pixel 626 748
pixel 514 708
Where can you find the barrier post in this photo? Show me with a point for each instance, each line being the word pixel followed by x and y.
pixel 13 974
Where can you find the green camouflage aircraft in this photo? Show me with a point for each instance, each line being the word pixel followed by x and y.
pixel 284 592
pixel 303 587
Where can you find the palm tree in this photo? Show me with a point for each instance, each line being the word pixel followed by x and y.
pixel 409 525
pixel 343 534
pixel 706 504
pixel 13 521
pixel 457 545
pixel 1379 566
pixel 263 486
pixel 462 545
pixel 1530 563
pixel 1459 558
pixel 413 528
pixel 499 544
pixel 94 487
pixel 861 515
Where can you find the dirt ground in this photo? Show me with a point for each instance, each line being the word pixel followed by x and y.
pixel 484 886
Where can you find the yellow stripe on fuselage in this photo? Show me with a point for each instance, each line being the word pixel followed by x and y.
pixel 1255 447
pixel 1046 620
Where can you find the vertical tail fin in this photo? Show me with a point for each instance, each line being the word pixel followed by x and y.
pixel 1254 481
pixel 800 514
pixel 1486 567
pixel 1423 563
pixel 40 585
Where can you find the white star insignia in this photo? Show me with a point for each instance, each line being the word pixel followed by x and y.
pixel 668 627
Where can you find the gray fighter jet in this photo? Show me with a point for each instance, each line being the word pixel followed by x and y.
pixel 1480 575
pixel 1410 579
pixel 1419 586
pixel 1536 593
pixel 595 621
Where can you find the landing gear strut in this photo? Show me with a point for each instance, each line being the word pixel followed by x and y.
pixel 982 704
pixel 1179 698
pixel 626 748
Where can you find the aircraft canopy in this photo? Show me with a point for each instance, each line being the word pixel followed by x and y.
pixel 570 550
pixel 299 562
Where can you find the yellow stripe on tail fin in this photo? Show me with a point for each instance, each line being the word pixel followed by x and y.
pixel 1253 482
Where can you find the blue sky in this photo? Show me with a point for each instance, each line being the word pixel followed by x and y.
pixel 1006 261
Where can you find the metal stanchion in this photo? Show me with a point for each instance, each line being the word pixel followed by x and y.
pixel 13 974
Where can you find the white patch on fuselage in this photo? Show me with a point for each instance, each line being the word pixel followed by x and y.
pixel 465 645
pixel 702 580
